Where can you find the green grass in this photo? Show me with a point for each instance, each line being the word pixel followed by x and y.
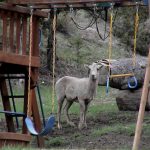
pixel 117 128
pixel 16 148
pixel 46 95
pixel 127 129
pixel 56 141
pixel 103 105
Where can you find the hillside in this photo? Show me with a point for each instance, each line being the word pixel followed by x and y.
pixel 77 47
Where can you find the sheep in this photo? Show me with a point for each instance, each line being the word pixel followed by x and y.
pixel 81 90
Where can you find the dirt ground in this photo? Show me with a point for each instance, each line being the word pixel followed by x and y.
pixel 73 138
pixel 76 139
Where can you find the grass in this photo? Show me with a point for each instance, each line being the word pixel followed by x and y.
pixel 117 128
pixel 57 141
pixel 104 104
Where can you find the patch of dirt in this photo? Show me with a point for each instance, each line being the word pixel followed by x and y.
pixel 84 139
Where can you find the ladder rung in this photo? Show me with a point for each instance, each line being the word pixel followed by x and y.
pixel 13 114
pixel 13 77
pixel 14 96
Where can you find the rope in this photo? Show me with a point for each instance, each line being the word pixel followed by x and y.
pixel 110 39
pixel 110 48
pixel 135 35
pixel 29 75
pixel 135 43
pixel 54 55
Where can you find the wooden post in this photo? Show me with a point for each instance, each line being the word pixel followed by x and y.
pixel 144 98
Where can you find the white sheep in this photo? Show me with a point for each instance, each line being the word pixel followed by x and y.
pixel 81 90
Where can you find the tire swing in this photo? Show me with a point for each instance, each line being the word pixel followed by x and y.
pixel 132 81
pixel 51 120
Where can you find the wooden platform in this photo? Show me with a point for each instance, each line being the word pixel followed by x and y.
pixel 9 138
pixel 65 4
pixel 11 58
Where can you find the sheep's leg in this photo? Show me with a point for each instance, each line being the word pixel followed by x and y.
pixel 82 111
pixel 67 106
pixel 86 108
pixel 60 103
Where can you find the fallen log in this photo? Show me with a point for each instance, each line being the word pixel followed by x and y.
pixel 124 66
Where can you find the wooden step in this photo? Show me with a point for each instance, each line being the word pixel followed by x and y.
pixel 9 138
pixel 13 114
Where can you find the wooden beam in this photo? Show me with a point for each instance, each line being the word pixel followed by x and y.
pixel 15 136
pixel 19 59
pixel 144 99
pixel 21 9
pixel 25 2
pixel 8 138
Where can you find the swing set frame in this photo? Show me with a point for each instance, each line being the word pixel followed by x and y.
pixel 10 57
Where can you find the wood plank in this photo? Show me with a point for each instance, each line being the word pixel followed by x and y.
pixel 19 59
pixel 18 30
pixel 4 41
pixel 61 1
pixel 24 35
pixel 35 38
pixel 15 136
pixel 21 9
pixel 11 33
pixel 36 118
pixel 144 99
pixel 87 5
pixel 6 105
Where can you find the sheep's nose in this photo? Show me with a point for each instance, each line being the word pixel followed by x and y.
pixel 93 77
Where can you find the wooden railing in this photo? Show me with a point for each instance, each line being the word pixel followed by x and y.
pixel 14 36
pixel 14 33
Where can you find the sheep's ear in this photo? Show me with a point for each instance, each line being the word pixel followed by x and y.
pixel 86 65
pixel 99 66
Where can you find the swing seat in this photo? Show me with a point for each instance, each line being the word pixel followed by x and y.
pixel 48 127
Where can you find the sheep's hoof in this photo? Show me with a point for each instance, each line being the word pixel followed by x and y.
pixel 59 126
pixel 85 125
pixel 80 126
pixel 71 124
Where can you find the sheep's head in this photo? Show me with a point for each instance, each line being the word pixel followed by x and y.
pixel 94 70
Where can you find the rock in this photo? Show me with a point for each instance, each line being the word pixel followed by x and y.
pixel 130 100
